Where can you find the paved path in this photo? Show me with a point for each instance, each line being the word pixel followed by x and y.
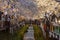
pixel 30 34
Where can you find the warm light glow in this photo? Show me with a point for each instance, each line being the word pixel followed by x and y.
pixel 14 10
pixel 59 21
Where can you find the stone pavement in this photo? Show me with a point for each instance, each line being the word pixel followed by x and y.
pixel 30 34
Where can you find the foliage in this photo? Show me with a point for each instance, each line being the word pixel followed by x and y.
pixel 38 33
pixel 21 33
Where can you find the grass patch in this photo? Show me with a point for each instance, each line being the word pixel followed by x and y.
pixel 38 33
pixel 21 32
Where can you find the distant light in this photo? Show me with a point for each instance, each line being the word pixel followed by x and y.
pixel 5 13
pixel 59 21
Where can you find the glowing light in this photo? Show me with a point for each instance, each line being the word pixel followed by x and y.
pixel 59 21
pixel 14 10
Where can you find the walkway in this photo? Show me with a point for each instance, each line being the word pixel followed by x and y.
pixel 30 34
